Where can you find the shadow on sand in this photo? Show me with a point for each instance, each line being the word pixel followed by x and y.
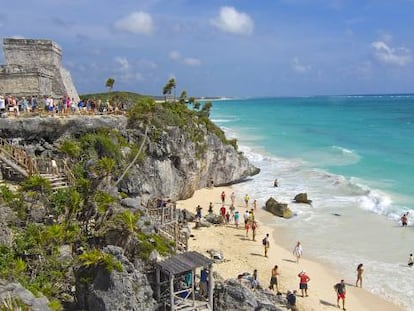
pixel 256 254
pixel 289 260
pixel 327 303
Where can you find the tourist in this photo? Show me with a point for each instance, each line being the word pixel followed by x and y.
pixel 266 244
pixel 203 283
pixel 340 293
pixel 246 200
pixel 232 208
pixel 404 220
pixel 410 260
pixel 297 251
pixel 236 218
pixel 273 279
pixel 303 283
pixel 54 167
pixel 247 227
pixel 291 300
pixel 246 216
pixel 223 197
pixel 360 270
pixel 227 217
pixel 210 208
pixel 276 183
pixel 254 205
pixel 223 213
pixel 254 280
pixel 233 198
pixel 254 227
pixel 198 211
pixel 2 105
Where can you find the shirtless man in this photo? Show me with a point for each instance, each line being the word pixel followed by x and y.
pixel 404 220
pixel 273 279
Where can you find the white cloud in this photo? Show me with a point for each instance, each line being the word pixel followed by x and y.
pixel 123 63
pixel 192 61
pixel 136 23
pixel 300 67
pixel 388 55
pixel 189 61
pixel 175 55
pixel 232 21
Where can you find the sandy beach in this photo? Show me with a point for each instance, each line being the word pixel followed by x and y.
pixel 242 254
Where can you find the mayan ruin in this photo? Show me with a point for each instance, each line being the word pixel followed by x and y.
pixel 33 67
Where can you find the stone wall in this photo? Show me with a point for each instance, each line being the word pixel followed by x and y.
pixel 34 66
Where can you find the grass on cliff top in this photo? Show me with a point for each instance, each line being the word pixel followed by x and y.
pixel 117 96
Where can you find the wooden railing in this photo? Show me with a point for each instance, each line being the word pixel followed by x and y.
pixel 19 156
pixel 167 219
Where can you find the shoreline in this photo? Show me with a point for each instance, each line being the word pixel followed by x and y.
pixel 241 254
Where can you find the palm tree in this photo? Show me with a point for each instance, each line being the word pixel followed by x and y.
pixel 171 84
pixel 183 97
pixel 110 84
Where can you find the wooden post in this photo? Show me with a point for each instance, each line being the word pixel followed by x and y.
pixel 172 292
pixel 210 286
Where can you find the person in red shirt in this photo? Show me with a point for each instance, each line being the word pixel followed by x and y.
pixel 223 213
pixel 303 283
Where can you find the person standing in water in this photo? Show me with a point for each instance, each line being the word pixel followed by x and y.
pixel 404 220
pixel 360 270
pixel 297 251
pixel 410 260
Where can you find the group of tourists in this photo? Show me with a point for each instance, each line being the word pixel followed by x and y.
pixel 15 106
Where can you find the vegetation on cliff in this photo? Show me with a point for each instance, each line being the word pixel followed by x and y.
pixel 54 233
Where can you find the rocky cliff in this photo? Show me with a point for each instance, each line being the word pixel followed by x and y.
pixel 174 165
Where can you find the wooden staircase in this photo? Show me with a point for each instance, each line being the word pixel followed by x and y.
pixel 16 164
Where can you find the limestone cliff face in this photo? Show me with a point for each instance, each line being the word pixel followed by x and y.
pixel 175 166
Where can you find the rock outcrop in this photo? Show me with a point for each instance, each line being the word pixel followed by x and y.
pixel 173 167
pixel 230 295
pixel 302 198
pixel 114 291
pixel 15 290
pixel 278 209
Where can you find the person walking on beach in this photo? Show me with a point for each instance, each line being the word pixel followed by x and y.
pixel 410 260
pixel 266 244
pixel 273 279
pixel 303 283
pixel 247 227
pixel 223 197
pixel 404 220
pixel 210 208
pixel 254 205
pixel 297 251
pixel 233 198
pixel 254 227
pixel 223 213
pixel 236 219
pixel 360 270
pixel 246 200
pixel 246 216
pixel 340 293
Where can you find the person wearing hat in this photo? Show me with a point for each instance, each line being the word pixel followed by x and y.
pixel 303 283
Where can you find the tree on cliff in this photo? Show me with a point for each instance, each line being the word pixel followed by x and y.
pixel 171 84
pixel 110 84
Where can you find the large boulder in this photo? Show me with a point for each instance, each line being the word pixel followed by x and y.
pixel 231 296
pixel 302 198
pixel 278 209
pixel 17 291
pixel 100 290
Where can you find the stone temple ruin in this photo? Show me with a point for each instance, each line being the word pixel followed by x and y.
pixel 33 67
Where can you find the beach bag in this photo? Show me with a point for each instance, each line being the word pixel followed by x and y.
pixel 264 242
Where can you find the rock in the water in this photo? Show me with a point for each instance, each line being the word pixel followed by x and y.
pixel 278 209
pixel 302 198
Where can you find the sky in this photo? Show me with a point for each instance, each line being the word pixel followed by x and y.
pixel 240 48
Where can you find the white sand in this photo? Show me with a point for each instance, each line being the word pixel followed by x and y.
pixel 244 255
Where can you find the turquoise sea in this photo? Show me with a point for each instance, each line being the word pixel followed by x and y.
pixel 353 155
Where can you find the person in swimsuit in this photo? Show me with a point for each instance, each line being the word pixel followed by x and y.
pixel 340 293
pixel 360 270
